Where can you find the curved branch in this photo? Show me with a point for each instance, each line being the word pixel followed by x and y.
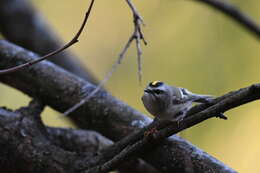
pixel 235 14
pixel 24 126
pixel 70 43
pixel 25 146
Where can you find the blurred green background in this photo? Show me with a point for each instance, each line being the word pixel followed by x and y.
pixel 189 45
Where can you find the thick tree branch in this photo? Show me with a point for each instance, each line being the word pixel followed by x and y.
pixel 136 166
pixel 78 140
pixel 235 14
pixel 172 129
pixel 34 34
pixel 81 141
pixel 24 127
pixel 103 112
pixel 25 146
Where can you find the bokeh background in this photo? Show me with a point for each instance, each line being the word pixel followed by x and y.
pixel 189 45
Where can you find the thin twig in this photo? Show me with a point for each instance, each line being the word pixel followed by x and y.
pixel 138 36
pixel 235 14
pixel 102 83
pixel 73 41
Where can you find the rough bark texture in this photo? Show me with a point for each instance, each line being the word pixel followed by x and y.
pixel 78 140
pixel 25 145
pixel 103 112
pixel 35 34
pixel 28 145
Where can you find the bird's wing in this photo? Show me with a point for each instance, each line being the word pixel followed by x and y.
pixel 176 95
pixel 189 96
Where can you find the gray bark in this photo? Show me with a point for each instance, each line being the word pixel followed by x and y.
pixel 103 113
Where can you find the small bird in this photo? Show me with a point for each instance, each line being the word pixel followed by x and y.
pixel 167 102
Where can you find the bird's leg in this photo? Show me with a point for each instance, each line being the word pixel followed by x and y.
pixel 153 130
pixel 179 120
pixel 150 132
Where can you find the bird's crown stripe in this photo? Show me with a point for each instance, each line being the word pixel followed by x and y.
pixel 155 82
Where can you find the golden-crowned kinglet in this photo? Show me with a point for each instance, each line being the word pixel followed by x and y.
pixel 168 102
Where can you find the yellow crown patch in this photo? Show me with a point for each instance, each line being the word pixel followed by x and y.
pixel 155 83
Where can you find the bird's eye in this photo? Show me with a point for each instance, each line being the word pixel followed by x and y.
pixel 157 91
pixel 184 92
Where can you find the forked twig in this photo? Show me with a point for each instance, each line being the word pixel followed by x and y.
pixel 73 41
pixel 138 36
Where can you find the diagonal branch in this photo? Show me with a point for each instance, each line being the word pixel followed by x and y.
pixel 222 104
pixel 41 39
pixel 73 41
pixel 235 14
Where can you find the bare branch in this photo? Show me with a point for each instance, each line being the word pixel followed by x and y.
pixel 86 99
pixel 126 150
pixel 137 36
pixel 73 41
pixel 235 14
pixel 103 113
pixel 36 35
pixel 222 104
pixel 24 126
pixel 25 139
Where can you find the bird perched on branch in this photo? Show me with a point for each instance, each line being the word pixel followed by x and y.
pixel 167 102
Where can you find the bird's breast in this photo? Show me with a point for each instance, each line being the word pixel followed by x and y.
pixel 152 104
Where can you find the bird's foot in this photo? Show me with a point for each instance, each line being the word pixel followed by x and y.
pixel 179 120
pixel 150 132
